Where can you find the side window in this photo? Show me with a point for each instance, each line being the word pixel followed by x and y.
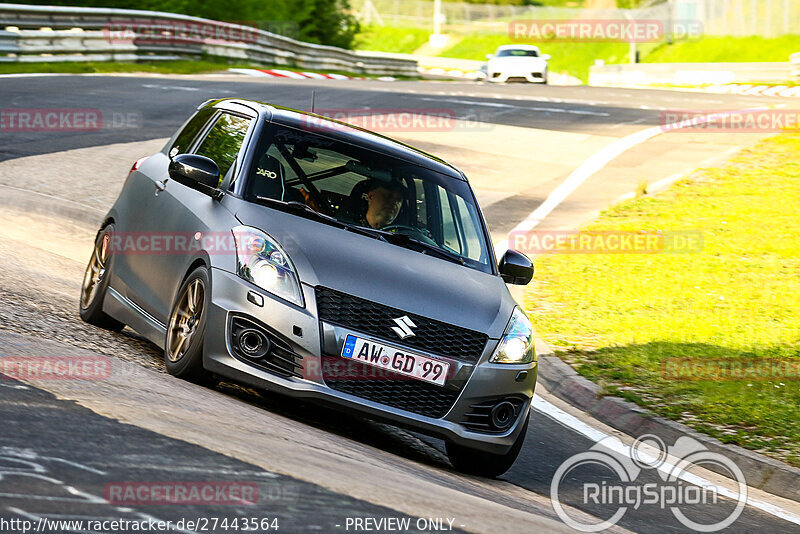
pixel 195 125
pixel 224 140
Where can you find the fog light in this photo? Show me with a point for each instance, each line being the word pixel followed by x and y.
pixel 502 415
pixel 253 343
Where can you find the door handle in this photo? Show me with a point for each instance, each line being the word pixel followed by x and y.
pixel 161 185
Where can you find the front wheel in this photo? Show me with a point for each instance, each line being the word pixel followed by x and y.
pixel 183 349
pixel 485 464
pixel 95 283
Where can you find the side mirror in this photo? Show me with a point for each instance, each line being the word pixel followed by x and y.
pixel 489 56
pixel 197 172
pixel 516 268
pixel 546 57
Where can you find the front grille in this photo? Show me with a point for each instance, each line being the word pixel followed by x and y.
pixel 376 319
pixel 391 389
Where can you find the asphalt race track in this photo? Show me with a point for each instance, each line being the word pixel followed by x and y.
pixel 61 445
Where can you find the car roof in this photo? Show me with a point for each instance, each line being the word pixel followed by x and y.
pixel 342 131
pixel 518 47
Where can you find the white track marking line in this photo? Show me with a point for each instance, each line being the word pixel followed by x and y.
pixel 597 161
pixel 575 424
pixel 514 106
pixel 170 87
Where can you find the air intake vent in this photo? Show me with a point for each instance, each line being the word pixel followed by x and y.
pixel 493 415
pixel 251 342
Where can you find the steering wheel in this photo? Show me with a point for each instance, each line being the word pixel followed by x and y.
pixel 424 234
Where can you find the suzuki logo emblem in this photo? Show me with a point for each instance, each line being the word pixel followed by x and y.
pixel 404 326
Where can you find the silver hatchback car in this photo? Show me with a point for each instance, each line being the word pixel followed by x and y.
pixel 322 261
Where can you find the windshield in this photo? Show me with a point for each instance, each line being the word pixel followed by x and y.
pixel 360 187
pixel 518 52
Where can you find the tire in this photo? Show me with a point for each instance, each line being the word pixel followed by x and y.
pixel 186 328
pixel 95 284
pixel 484 464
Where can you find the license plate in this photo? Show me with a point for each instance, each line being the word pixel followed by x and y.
pixel 394 359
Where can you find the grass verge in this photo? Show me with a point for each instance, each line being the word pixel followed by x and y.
pixel 391 39
pixel 158 67
pixel 575 58
pixel 619 318
pixel 726 49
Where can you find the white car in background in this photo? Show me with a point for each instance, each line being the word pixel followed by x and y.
pixel 517 62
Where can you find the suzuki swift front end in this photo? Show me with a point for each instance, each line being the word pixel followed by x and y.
pixel 301 255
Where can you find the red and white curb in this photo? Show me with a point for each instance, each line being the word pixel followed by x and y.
pixel 293 74
pixel 759 90
pixel 458 73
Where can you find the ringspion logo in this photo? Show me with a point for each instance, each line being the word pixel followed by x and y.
pixel 613 478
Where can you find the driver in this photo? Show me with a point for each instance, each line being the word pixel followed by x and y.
pixel 384 200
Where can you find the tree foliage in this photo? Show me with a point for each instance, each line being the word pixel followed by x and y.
pixel 327 22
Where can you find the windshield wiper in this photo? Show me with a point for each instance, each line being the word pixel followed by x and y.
pixel 404 240
pixel 300 209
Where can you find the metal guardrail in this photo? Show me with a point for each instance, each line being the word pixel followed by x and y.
pixel 56 33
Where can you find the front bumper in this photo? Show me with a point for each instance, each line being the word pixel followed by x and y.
pixel 532 76
pixel 319 343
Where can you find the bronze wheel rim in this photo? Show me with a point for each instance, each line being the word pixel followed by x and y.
pixel 185 320
pixel 95 272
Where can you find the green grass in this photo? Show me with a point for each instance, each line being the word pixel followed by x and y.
pixel 617 317
pixel 726 49
pixel 162 67
pixel 389 39
pixel 573 58
pixel 159 67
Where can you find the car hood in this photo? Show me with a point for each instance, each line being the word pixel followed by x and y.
pixel 365 267
pixel 511 61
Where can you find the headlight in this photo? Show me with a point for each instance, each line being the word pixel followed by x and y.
pixel 262 261
pixel 517 343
